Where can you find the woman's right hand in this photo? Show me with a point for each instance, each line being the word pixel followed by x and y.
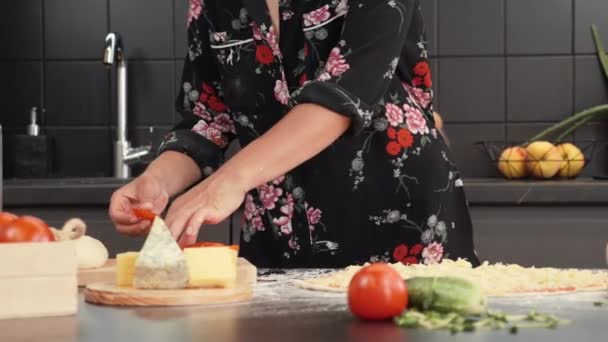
pixel 145 191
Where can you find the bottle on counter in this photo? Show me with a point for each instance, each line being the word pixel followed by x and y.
pixel 32 151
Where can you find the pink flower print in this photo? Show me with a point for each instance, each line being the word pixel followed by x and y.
pixel 317 16
pixel 415 121
pixel 432 253
pixel 201 111
pixel 210 132
pixel 278 180
pixel 314 217
pixel 269 195
pixel 293 244
pixel 342 7
pixel 195 10
pixel 336 64
pixel 257 223
pixel 394 114
pixel 285 223
pixel 271 38
pixel 418 95
pixel 287 209
pixel 324 77
pixel 224 122
pixel 257 33
pixel 251 209
pixel 281 93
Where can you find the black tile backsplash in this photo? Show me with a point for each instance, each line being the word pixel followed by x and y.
pixel 590 84
pixel 471 27
pixel 77 93
pixel 472 89
pixel 20 90
pixel 180 19
pixel 21 33
pixel 500 67
pixel 82 152
pixel 75 29
pixel 539 88
pixel 145 25
pixel 533 26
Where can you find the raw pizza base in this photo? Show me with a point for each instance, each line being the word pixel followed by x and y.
pixel 578 280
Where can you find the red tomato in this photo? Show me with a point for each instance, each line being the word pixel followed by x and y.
pixel 377 292
pixel 26 229
pixel 144 214
pixel 6 218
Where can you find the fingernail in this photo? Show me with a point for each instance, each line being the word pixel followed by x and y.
pixel 147 205
pixel 190 230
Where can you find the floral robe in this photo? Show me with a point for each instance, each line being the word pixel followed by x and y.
pixel 387 189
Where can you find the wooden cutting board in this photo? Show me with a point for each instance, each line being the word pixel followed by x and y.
pixel 107 293
pixel 107 273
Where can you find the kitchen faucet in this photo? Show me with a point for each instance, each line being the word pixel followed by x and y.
pixel 124 155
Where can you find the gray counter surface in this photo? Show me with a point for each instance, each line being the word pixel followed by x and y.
pixel 280 311
pixel 97 191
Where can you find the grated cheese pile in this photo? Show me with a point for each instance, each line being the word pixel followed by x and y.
pixel 494 279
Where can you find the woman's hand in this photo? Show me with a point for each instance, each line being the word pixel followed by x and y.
pixel 209 202
pixel 145 191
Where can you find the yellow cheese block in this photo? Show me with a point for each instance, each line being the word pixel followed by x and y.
pixel 125 268
pixel 211 266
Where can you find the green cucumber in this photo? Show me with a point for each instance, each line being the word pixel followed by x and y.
pixel 446 294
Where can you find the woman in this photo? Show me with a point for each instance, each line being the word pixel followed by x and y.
pixel 341 161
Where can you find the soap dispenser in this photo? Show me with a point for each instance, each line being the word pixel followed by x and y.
pixel 32 151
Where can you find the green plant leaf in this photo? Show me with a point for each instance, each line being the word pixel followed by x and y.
pixel 601 53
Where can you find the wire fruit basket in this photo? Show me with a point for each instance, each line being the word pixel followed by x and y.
pixel 539 159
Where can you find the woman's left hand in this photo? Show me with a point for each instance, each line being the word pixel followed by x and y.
pixel 209 202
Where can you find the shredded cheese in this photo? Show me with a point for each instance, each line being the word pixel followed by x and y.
pixel 495 279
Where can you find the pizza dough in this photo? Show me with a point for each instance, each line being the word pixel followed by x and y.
pixel 497 280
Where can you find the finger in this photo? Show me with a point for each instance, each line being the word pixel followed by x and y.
pixel 133 229
pixel 193 226
pixel 177 221
pixel 119 210
pixel 148 191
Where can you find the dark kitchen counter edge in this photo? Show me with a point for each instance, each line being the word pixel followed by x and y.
pixel 97 191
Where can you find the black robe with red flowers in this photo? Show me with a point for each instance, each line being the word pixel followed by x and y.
pixel 386 190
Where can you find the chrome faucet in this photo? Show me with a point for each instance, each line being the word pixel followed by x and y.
pixel 124 155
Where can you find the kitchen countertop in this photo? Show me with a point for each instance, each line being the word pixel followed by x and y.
pixel 97 191
pixel 280 311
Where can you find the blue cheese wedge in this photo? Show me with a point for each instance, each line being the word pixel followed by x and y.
pixel 160 263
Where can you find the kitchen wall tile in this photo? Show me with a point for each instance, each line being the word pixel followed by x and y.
pixel 539 88
pixel 539 26
pixel 82 152
pixel 471 27
pixel 180 32
pixel 434 62
pixel 150 93
pixel 21 33
pixel 179 68
pixel 20 90
pixel 520 132
pixel 471 159
pixel 593 139
pixel 429 12
pixel 77 93
pixel 75 29
pixel 588 12
pixel 472 89
pixel 146 27
pixel 591 87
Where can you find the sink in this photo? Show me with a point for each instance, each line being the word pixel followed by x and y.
pixel 65 181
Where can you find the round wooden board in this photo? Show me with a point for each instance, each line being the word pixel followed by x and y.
pixel 110 294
